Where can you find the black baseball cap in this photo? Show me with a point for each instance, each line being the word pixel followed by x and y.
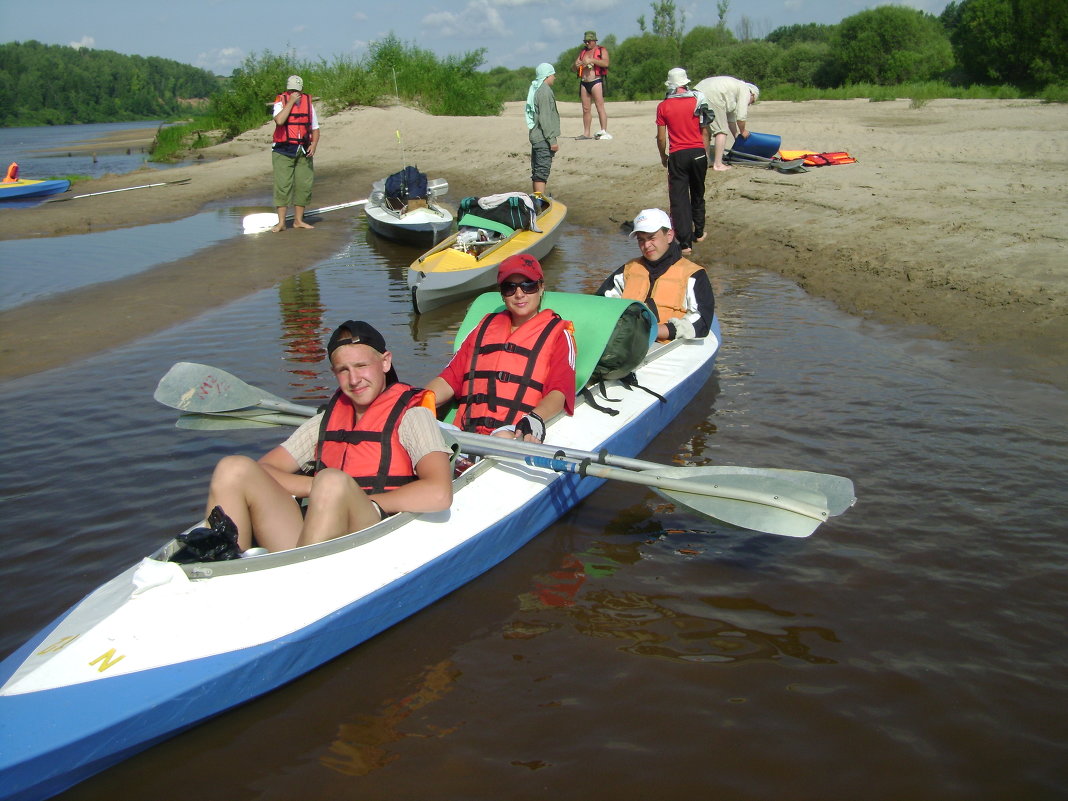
pixel 357 332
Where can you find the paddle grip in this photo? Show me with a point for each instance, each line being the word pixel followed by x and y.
pixel 559 465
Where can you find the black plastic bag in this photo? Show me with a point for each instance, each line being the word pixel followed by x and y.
pixel 216 543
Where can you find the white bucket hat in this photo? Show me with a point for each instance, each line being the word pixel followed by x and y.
pixel 677 77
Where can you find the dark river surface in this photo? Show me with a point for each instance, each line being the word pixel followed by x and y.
pixel 913 648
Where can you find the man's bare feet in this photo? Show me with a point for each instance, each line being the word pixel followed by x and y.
pixel 687 251
pixel 280 227
pixel 702 237
pixel 301 224
pixel 721 167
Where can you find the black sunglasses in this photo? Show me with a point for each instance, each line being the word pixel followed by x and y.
pixel 508 288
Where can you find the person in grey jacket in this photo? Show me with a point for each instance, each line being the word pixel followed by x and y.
pixel 543 124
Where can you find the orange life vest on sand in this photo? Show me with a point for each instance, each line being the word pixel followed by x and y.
pixel 506 379
pixel 600 72
pixel 297 127
pixel 668 292
pixel 828 159
pixel 12 173
pixel 370 449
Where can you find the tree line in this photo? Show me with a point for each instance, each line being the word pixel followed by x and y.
pixel 57 85
pixel 1021 43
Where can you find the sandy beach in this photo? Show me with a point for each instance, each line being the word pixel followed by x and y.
pixel 953 220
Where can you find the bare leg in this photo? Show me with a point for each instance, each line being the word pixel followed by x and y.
pixel 587 116
pixel 257 504
pixel 336 506
pixel 539 186
pixel 298 218
pixel 281 226
pixel 598 98
pixel 717 159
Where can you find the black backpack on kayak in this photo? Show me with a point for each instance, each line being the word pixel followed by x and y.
pixel 408 184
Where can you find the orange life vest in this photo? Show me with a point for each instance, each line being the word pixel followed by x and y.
pixel 506 378
pixel 369 449
pixel 12 173
pixel 668 292
pixel 297 128
pixel 598 71
pixel 828 159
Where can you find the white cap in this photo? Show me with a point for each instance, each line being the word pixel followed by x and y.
pixel 649 221
pixel 752 87
pixel 677 77
pixel 295 83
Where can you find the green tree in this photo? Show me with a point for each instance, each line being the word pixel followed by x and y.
pixel 1023 42
pixel 640 65
pixel 809 32
pixel 889 45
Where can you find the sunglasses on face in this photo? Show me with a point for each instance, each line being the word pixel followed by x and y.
pixel 508 288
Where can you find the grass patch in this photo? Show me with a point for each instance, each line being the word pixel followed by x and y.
pixel 919 93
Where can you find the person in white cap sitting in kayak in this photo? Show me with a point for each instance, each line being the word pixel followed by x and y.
pixel 677 290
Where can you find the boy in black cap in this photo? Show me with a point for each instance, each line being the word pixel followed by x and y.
pixel 376 450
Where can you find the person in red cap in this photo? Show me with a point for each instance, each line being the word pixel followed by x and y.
pixel 352 463
pixel 516 369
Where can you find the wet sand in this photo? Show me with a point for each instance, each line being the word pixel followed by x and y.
pixel 953 220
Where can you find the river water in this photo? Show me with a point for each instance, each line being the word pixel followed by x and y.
pixel 913 648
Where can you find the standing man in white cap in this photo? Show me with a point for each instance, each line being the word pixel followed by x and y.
pixel 296 136
pixel 682 136
pixel 677 290
pixel 730 99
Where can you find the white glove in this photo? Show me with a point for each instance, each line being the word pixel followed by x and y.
pixel 683 328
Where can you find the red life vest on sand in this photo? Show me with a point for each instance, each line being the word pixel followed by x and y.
pixel 600 72
pixel 297 127
pixel 668 292
pixel 828 159
pixel 506 378
pixel 370 449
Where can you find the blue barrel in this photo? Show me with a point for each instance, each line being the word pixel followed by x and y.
pixel 758 144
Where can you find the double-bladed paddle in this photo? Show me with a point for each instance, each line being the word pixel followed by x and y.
pixel 126 189
pixel 265 221
pixel 790 503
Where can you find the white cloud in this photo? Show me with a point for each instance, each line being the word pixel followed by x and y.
pixel 554 27
pixel 87 42
pixel 222 62
pixel 478 19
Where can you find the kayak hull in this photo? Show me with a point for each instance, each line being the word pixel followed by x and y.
pixel 419 226
pixel 147 655
pixel 22 189
pixel 446 274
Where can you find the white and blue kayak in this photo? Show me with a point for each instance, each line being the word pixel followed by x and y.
pixel 148 655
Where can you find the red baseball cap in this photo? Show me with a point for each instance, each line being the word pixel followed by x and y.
pixel 522 263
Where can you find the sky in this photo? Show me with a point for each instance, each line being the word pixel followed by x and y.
pixel 218 35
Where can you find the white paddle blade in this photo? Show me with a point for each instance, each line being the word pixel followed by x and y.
pixel 258 223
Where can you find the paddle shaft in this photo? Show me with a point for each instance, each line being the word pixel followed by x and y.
pixel 126 189
pixel 261 221
pixel 646 478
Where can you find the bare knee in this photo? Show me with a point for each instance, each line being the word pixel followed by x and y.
pixel 331 486
pixel 232 469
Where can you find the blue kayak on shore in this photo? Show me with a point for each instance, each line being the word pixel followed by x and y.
pixel 21 189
